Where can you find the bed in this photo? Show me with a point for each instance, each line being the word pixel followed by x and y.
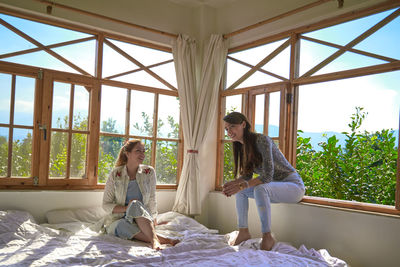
pixel 69 239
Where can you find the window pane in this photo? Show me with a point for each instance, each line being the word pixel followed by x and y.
pixel 5 97
pixel 228 162
pixel 148 148
pixel 113 109
pixel 233 103
pixel 21 153
pixel 348 149
pixel 81 108
pixel 61 103
pixel 3 151
pixel 167 72
pixel 259 115
pixel 168 117
pixel 109 148
pixel 166 162
pixel 24 100
pixel 142 109
pixel 81 54
pixel 58 154
pixel 273 114
pixel 78 155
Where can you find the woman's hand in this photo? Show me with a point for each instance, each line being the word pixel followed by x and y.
pixel 232 187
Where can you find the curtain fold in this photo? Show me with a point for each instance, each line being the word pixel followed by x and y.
pixel 198 102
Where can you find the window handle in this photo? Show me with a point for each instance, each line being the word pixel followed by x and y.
pixel 43 127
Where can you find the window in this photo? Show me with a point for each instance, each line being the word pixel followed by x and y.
pixel 331 103
pixel 71 97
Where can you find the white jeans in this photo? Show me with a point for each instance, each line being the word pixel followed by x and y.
pixel 286 191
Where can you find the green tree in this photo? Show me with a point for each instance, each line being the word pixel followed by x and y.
pixel 363 170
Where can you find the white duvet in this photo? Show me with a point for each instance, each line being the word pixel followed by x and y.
pixel 25 243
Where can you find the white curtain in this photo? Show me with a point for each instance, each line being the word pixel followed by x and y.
pixel 198 102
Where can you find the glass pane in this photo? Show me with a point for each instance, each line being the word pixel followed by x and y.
pixel 43 33
pixel 353 134
pixel 58 154
pixel 24 100
pixel 280 64
pixel 146 56
pixel 312 54
pixel 258 78
pixel 259 116
pixel 82 55
pixel 42 60
pixel 109 148
pixel 228 162
pixel 273 114
pixel 349 61
pixel 78 155
pixel 18 43
pixel 167 72
pixel 113 109
pixel 345 32
pixel 81 108
pixel 168 117
pixel 114 62
pixel 233 103
pixel 148 148
pixel 166 162
pixel 3 151
pixel 21 153
pixel 384 41
pixel 61 105
pixel 142 109
pixel 254 55
pixel 5 97
pixel 234 71
pixel 141 78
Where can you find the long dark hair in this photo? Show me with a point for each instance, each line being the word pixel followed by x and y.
pixel 246 156
pixel 127 147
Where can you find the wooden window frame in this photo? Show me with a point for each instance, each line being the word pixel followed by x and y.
pixel 292 92
pixel 45 78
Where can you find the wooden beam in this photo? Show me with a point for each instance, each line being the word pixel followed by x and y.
pixel 43 47
pixel 354 42
pixel 320 24
pixel 349 73
pixel 130 58
pixel 260 64
pixel 278 17
pixel 260 70
pixel 350 49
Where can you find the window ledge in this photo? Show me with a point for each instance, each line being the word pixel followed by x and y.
pixel 352 205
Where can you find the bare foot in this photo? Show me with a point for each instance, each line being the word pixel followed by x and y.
pixel 267 242
pixel 155 244
pixel 164 240
pixel 243 235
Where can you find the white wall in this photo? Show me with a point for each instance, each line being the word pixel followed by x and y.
pixel 39 202
pixel 359 238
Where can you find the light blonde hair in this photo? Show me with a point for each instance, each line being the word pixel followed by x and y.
pixel 127 147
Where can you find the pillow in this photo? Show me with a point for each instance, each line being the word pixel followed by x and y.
pixel 11 220
pixel 90 215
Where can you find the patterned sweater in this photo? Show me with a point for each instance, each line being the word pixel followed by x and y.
pixel 274 165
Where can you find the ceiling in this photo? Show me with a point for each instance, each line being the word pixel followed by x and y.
pixel 211 3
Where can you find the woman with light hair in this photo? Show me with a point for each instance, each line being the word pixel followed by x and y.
pixel 130 197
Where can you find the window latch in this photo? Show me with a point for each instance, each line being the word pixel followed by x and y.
pixel 43 127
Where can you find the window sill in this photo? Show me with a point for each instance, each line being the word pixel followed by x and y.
pixel 352 205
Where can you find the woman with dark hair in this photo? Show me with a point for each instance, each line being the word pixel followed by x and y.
pixel 278 181
pixel 130 197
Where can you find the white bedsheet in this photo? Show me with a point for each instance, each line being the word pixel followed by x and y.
pixel 25 243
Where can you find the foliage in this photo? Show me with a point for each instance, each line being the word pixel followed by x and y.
pixel 363 170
